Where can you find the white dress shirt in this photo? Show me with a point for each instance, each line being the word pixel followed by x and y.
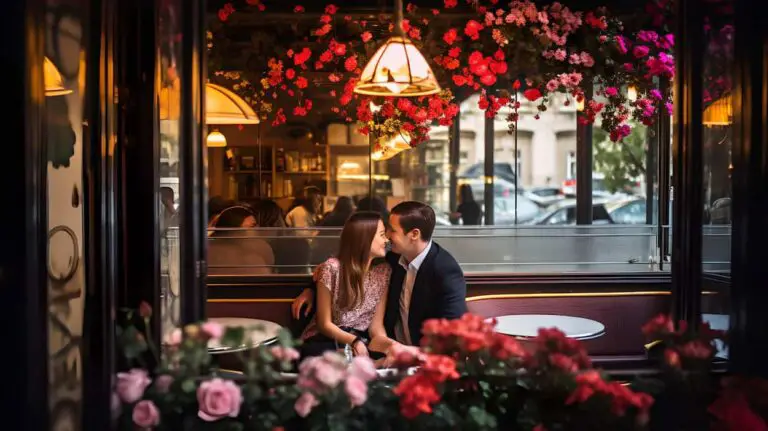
pixel 402 331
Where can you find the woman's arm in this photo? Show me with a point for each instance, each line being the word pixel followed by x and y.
pixel 380 342
pixel 324 314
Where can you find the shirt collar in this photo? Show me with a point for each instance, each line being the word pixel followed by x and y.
pixel 415 264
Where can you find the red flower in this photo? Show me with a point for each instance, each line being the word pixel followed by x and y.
pixel 339 49
pixel 735 414
pixel 145 310
pixel 472 29
pixel 417 395
pixel 302 57
pixel 350 63
pixel 226 11
pixel 672 358
pixel 298 9
pixel 331 9
pixel 290 73
pixel 450 36
pixel 326 56
pixel 532 94
pixel 450 4
pixel 366 36
pixel 301 82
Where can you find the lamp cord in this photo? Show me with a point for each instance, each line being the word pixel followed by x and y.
pixel 399 18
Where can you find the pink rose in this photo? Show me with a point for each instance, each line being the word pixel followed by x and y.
pixel 163 383
pixel 552 85
pixel 328 374
pixel 640 51
pixel 213 330
pixel 145 414
pixel 357 390
pixel 362 367
pixel 281 353
pixel 217 399
pixel 305 403
pixel 131 385
pixel 173 338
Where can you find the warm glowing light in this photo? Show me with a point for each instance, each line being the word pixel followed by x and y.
pixel 374 107
pixel 580 104
pixel 223 106
pixel 631 93
pixel 397 69
pixel 54 82
pixel 216 139
pixel 719 113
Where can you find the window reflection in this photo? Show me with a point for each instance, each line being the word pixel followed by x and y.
pixel 169 191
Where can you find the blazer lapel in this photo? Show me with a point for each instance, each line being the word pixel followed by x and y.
pixel 420 294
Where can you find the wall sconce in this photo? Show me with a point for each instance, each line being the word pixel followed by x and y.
pixel 632 93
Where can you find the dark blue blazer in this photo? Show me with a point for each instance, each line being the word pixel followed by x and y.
pixel 439 291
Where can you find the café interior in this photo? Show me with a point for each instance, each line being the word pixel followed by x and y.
pixel 604 201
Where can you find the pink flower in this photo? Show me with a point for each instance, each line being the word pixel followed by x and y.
pixel 131 385
pixel 357 390
pixel 552 85
pixel 305 403
pixel 146 414
pixel 640 51
pixel 611 91
pixel 173 338
pixel 560 55
pixel 281 353
pixel 163 383
pixel 213 330
pixel 362 367
pixel 327 374
pixel 218 399
pixel 587 60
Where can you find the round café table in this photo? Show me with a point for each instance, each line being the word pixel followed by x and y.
pixel 260 331
pixel 527 326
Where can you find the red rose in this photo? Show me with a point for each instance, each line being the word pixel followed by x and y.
pixel 532 94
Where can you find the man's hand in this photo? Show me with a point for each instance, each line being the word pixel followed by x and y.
pixel 307 297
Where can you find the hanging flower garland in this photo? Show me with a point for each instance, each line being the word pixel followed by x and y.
pixel 524 49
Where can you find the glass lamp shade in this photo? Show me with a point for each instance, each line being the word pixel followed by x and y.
pixel 222 106
pixel 54 83
pixel 397 69
pixel 719 113
pixel 216 139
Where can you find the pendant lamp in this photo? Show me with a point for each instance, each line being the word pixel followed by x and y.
pixel 719 113
pixel 216 139
pixel 54 83
pixel 397 69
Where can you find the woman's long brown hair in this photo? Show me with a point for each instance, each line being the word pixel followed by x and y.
pixel 354 253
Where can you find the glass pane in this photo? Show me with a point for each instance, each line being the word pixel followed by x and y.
pixel 718 138
pixel 169 51
pixel 65 54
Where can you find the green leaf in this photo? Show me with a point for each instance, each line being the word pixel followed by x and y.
pixel 188 386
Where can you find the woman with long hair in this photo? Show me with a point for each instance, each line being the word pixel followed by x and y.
pixel 349 287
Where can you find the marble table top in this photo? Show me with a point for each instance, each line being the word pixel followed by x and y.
pixel 258 330
pixel 527 325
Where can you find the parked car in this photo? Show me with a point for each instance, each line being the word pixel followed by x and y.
pixel 564 213
pixel 500 170
pixel 568 188
pixel 544 196
pixel 631 211
pixel 504 210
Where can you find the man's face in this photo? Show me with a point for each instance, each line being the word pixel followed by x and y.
pixel 402 243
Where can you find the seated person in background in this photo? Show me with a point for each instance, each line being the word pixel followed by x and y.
pixel 234 251
pixel 469 210
pixel 216 205
pixel 341 211
pixel 306 211
pixel 349 288
pixel 376 204
pixel 426 281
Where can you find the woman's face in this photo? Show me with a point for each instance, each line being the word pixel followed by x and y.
pixel 249 222
pixel 379 243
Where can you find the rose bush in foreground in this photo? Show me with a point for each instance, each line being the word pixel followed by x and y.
pixel 467 377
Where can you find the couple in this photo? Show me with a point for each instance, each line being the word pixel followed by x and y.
pixel 371 306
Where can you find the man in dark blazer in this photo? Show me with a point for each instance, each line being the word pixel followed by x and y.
pixel 426 282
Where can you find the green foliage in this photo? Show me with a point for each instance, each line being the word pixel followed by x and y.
pixel 621 162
